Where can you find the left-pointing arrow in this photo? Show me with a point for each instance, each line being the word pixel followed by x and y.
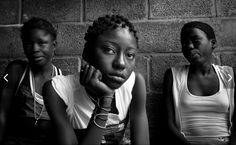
pixel 5 78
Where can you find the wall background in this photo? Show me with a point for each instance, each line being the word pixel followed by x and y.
pixel 157 21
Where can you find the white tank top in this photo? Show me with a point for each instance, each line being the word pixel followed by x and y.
pixel 204 116
pixel 208 116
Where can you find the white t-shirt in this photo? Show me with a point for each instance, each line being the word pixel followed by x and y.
pixel 79 105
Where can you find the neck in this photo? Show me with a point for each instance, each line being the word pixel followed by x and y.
pixel 203 68
pixel 45 71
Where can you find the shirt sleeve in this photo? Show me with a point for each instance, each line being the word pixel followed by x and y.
pixel 62 86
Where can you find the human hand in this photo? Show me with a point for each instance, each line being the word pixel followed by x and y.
pixel 91 79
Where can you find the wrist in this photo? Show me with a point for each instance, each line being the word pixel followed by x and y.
pixel 100 109
pixel 105 101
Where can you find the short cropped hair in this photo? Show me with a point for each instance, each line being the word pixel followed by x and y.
pixel 200 25
pixel 38 23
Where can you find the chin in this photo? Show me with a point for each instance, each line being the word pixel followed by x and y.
pixel 38 63
pixel 115 85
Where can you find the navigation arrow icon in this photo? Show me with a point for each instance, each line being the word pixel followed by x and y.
pixel 5 78
pixel 230 78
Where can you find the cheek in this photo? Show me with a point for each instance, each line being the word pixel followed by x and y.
pixel 207 50
pixel 27 52
pixel 185 54
pixel 102 64
pixel 27 49
pixel 49 53
pixel 130 65
pixel 49 49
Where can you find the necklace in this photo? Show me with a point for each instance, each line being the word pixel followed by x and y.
pixel 35 112
pixel 38 99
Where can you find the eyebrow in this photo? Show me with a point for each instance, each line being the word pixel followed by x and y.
pixel 195 36
pixel 114 43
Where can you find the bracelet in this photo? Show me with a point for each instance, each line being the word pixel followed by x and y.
pixel 99 100
pixel 99 108
pixel 103 119
pixel 107 97
pixel 94 120
pixel 105 109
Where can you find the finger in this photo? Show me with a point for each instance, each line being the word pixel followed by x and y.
pixel 83 74
pixel 89 74
pixel 83 63
pixel 79 64
pixel 97 75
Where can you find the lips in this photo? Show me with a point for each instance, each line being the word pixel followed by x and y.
pixel 194 53
pixel 37 57
pixel 118 77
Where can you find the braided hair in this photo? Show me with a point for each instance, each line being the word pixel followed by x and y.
pixel 105 23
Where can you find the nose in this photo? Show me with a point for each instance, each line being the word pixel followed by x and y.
pixel 119 62
pixel 36 47
pixel 190 45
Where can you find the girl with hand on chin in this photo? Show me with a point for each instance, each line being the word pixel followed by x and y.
pixel 94 105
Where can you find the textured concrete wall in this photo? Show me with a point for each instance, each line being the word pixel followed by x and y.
pixel 157 21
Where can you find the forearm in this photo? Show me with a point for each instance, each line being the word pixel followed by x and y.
pixel 63 131
pixel 178 135
pixel 2 127
pixel 96 128
pixel 65 136
pixel 233 138
pixel 140 131
pixel 98 121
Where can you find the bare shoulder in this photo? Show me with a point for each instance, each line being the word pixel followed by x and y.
pixel 139 79
pixel 14 71
pixel 52 100
pixel 10 81
pixel 234 70
pixel 139 89
pixel 48 91
pixel 168 72
pixel 48 86
pixel 167 82
pixel 16 66
pixel 168 78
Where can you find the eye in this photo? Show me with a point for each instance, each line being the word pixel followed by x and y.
pixel 109 50
pixel 184 42
pixel 196 40
pixel 27 44
pixel 42 43
pixel 130 55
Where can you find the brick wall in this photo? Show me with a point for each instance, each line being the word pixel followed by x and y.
pixel 157 21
